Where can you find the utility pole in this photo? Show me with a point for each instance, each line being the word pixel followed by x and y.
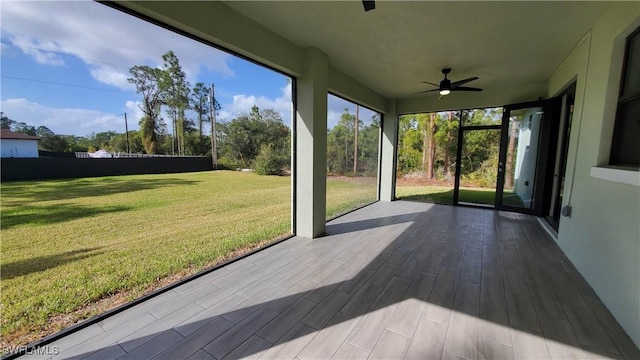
pixel 174 140
pixel 126 131
pixel 355 143
pixel 212 114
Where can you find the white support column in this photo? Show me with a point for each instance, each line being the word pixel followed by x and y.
pixel 311 144
pixel 389 153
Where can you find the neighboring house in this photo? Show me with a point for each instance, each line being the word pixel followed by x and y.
pixel 17 145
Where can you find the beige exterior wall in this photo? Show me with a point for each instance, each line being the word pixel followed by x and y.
pixel 602 236
pixel 19 148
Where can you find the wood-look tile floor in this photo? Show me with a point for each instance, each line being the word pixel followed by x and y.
pixel 389 281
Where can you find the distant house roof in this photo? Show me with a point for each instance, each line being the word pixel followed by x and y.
pixel 8 134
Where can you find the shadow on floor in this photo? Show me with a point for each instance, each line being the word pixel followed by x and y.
pixel 456 261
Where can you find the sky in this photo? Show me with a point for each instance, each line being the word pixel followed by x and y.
pixel 69 72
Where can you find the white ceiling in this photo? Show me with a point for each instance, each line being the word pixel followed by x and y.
pixel 395 47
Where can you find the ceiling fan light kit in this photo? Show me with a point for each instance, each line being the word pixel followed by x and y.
pixel 446 86
pixel 368 5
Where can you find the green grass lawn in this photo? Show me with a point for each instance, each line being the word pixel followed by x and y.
pixel 345 194
pixel 444 195
pixel 68 245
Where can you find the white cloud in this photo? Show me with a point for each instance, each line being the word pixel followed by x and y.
pixel 110 76
pixel 243 104
pixel 41 56
pixel 336 106
pixel 107 40
pixel 134 113
pixel 67 121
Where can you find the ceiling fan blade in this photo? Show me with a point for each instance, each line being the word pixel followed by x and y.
pixel 368 5
pixel 426 91
pixel 430 83
pixel 465 88
pixel 462 82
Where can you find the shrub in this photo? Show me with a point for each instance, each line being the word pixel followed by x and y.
pixel 269 161
pixel 226 163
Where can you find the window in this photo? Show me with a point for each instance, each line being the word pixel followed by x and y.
pixel 625 147
pixel 353 140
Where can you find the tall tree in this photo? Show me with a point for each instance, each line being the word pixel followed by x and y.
pixel 339 145
pixel 431 152
pixel 146 80
pixel 242 138
pixel 6 123
pixel 356 127
pixel 25 128
pixel 43 131
pixel 200 103
pixel 445 145
pixel 175 95
pixel 409 145
pixel 511 149
pixel 427 125
pixel 368 145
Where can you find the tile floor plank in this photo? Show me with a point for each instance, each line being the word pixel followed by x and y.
pixel 278 327
pixel 463 336
pixel 328 340
pixel 392 280
pixel 494 322
pixel 240 333
pixel 390 346
pixel 350 352
pixel 253 348
pixel 292 343
pixel 427 341
pixel 589 330
pixel 522 312
pixel 622 341
pixel 406 317
pixel 326 310
pixel 368 330
pixel 155 346
pixel 527 345
pixel 196 340
pixel 491 350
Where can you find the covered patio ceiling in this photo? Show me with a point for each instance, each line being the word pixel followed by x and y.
pixel 513 47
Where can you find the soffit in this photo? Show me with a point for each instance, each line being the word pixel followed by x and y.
pixel 395 47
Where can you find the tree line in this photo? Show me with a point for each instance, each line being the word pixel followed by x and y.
pixel 240 141
pixel 428 143
pixel 352 147
pixel 166 88
pixel 258 139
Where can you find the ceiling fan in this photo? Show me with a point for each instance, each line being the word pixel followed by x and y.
pixel 446 86
pixel 368 5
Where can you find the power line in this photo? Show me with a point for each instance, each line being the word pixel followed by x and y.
pixel 63 84
pixel 63 54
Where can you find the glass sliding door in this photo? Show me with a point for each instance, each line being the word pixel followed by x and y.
pixel 559 159
pixel 523 138
pixel 521 167
pixel 478 166
pixel 478 156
